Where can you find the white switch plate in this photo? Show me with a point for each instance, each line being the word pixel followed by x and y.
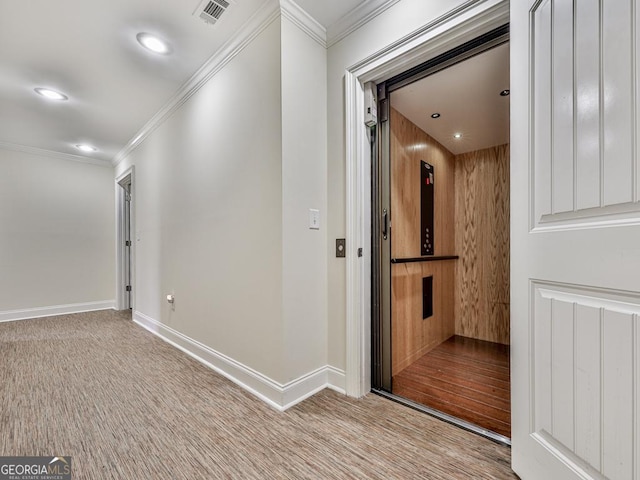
pixel 314 219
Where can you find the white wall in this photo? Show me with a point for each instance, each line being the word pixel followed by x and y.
pixel 398 21
pixel 304 180
pixel 223 192
pixel 56 232
pixel 208 212
pixel 223 189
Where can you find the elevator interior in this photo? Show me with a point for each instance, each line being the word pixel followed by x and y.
pixel 447 338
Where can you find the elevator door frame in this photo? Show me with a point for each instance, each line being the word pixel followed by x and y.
pixel 381 222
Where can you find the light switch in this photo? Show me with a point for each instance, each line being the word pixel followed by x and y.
pixel 314 219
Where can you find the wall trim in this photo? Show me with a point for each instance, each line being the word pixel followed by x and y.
pixel 14 147
pixel 292 11
pixel 336 379
pixel 461 24
pixel 353 20
pixel 253 27
pixel 279 396
pixel 38 312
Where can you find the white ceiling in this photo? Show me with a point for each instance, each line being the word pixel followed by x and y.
pixel 467 96
pixel 88 51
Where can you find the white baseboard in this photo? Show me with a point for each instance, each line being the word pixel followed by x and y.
pixel 11 315
pixel 278 395
pixel 337 380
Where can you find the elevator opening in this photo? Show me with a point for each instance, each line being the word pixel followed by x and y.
pixel 440 329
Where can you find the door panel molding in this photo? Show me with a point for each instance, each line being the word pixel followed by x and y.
pixel 575 289
pixel 570 461
pixel 584 115
pixel 584 344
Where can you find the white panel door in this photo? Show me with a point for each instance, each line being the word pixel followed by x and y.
pixel 575 239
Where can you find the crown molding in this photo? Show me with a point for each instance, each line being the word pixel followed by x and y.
pixel 264 16
pixel 293 12
pixel 14 147
pixel 357 17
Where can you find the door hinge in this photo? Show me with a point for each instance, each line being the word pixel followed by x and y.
pixel 128 288
pixel 359 251
pixel 127 243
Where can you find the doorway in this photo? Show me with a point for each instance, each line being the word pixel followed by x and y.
pixel 440 245
pixel 124 191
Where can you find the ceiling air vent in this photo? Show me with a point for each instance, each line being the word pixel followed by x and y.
pixel 211 10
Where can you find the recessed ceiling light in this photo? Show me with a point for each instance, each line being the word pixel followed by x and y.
pixel 504 93
pixel 457 135
pixel 435 115
pixel 153 43
pixel 50 94
pixel 86 148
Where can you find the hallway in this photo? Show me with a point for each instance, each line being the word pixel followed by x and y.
pixel 126 405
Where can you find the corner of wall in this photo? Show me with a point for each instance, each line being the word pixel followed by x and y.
pixel 304 188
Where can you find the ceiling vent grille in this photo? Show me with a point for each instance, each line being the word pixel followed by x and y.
pixel 211 10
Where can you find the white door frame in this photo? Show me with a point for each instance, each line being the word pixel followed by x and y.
pixel 121 280
pixel 464 23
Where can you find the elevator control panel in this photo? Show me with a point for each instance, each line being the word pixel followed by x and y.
pixel 427 177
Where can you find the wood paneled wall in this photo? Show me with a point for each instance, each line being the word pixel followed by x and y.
pixel 482 242
pixel 413 336
pixel 410 145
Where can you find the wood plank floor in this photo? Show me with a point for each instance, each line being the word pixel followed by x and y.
pixel 463 377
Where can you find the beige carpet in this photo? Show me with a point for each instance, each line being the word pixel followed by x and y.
pixel 126 405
